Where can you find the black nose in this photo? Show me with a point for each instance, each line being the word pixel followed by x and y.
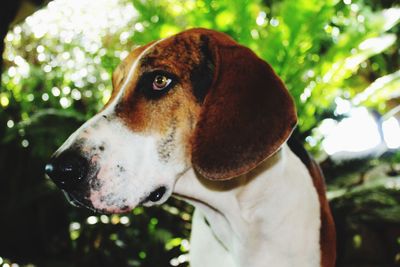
pixel 67 170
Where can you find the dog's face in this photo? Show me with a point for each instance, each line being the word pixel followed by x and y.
pixel 173 108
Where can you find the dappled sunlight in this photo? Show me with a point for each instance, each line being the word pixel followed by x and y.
pixel 60 24
pixel 8 263
pixel 357 133
pixel 391 132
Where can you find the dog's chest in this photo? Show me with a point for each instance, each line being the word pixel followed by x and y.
pixel 273 221
pixel 208 247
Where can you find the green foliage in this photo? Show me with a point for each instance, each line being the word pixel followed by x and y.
pixel 55 79
pixel 316 47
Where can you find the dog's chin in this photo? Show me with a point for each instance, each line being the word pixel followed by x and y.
pixel 77 202
pixel 83 203
pixel 72 200
pixel 97 203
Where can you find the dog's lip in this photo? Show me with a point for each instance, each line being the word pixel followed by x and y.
pixel 76 203
pixel 79 204
pixel 72 200
pixel 145 201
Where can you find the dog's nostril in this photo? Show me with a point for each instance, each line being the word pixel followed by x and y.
pixel 157 194
pixel 67 169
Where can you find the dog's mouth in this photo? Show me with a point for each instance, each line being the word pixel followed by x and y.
pixel 86 205
pixel 74 201
pixel 81 202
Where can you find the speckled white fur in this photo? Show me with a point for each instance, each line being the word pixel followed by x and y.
pixel 129 167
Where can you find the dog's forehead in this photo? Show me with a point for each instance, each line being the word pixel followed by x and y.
pixel 177 54
pixel 180 52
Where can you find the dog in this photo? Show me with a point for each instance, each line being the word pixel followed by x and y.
pixel 202 118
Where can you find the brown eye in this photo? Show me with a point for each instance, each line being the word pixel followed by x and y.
pixel 160 82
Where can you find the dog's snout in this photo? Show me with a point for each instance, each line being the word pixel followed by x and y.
pixel 67 170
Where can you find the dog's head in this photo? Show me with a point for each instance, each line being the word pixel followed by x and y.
pixel 197 99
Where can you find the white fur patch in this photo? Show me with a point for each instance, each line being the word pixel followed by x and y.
pixel 271 218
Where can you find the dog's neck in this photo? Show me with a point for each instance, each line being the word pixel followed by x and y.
pixel 271 213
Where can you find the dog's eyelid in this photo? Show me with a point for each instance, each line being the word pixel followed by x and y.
pixel 150 75
pixel 168 74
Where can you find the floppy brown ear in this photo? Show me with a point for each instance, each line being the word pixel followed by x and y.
pixel 246 116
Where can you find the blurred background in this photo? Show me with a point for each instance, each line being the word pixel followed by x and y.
pixel 339 59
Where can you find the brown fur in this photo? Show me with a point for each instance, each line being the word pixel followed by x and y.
pixel 179 105
pixel 328 233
